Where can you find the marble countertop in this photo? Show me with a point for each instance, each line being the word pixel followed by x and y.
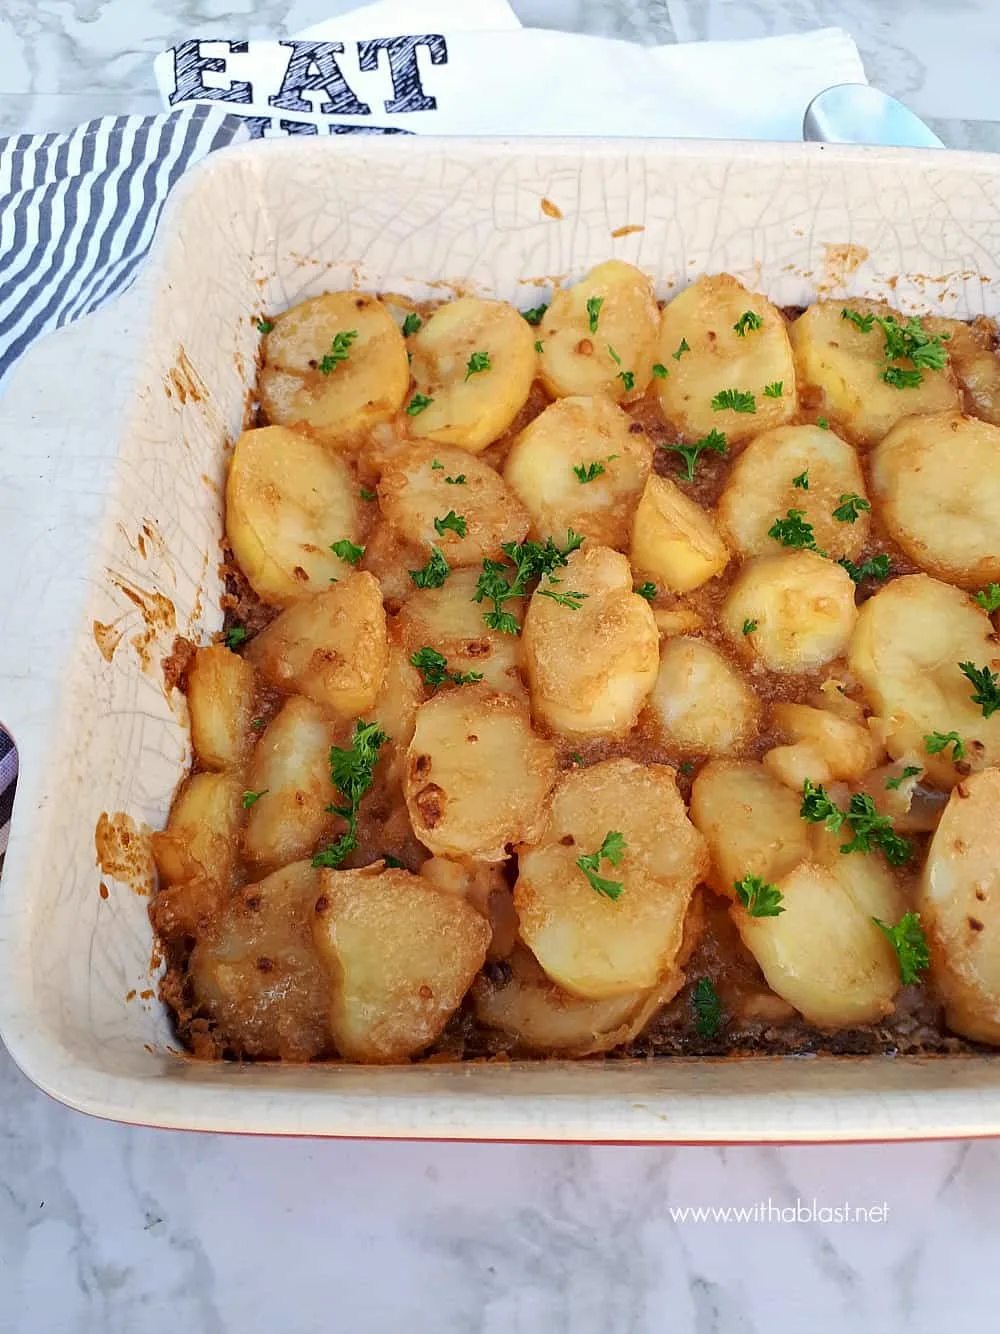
pixel 106 1229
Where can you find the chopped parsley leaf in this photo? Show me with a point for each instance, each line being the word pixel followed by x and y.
pixel 365 494
pixel 822 423
pixel 411 324
pixel 850 506
pixel 908 940
pixel 437 466
pixel 911 771
pixel 535 314
pixel 450 521
pixel 433 667
pixel 352 773
pixel 417 404
pixel 572 600
pixel 478 362
pixel 802 481
pixel 251 798
pixel 265 326
pixel 794 531
pixel 877 567
pixel 235 636
pixel 647 590
pixel 347 551
pixel 588 472
pixel 936 742
pixel 988 598
pixel 987 687
pixel 538 346
pixel 774 389
pixel 760 898
pixel 434 573
pixel 660 371
pixel 735 400
pixel 748 322
pixel 863 322
pixel 611 850
pixel 902 378
pixel 715 441
pixel 340 350
pixel 594 304
pixel 870 830
pixel 682 347
pixel 456 481
pixel 749 627
pixel 707 1008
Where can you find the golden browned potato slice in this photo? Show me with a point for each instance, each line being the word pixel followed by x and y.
pixel 287 501
pixel 220 696
pixel 622 939
pixel 678 620
pixel 257 974
pixel 515 997
pixel 937 481
pixel 336 363
pixel 331 648
pixel 848 748
pixel 401 696
pixel 674 540
pixel 475 360
pixel 751 822
pixel 974 362
pixel 959 903
pixel 590 670
pixel 448 620
pixel 793 611
pixel 579 466
pixel 415 490
pixel 477 777
pixel 402 953
pixel 200 838
pixel 598 336
pixel 700 703
pixel 823 953
pixel 289 786
pixel 842 368
pixel 718 360
pixel 761 487
pixel 905 651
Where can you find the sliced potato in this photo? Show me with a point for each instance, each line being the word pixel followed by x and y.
pixel 823 953
pixel 587 943
pixel 704 316
pixel 751 822
pixel 200 838
pixel 798 607
pixel 287 500
pixel 414 490
pixel 761 488
pixel 517 998
pixel 220 696
pixel 937 480
pixel 257 977
pixel 450 621
pixel 909 640
pixel 470 407
pixel 477 777
pixel 336 363
pixel 591 669
pixel 868 880
pixel 599 332
pixel 700 703
pixel 959 905
pixel 674 540
pixel 290 770
pixel 842 368
pixel 974 362
pixel 332 648
pixel 848 748
pixel 678 620
pixel 593 436
pixel 402 953
pixel 401 696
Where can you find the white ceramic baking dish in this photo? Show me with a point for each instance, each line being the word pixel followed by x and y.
pixel 111 451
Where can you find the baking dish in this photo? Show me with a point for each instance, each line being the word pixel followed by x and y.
pixel 113 436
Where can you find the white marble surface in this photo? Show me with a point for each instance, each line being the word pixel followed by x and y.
pixel 109 1230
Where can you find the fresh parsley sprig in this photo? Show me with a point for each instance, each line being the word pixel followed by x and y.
pixel 987 687
pixel 736 400
pixel 433 667
pixel 707 1008
pixel 352 772
pixel 850 506
pixel 499 583
pixel 907 938
pixel 434 573
pixel 794 530
pixel 988 598
pixel 451 522
pixel 748 322
pixel 759 897
pixel 714 441
pixel 870 830
pixel 936 742
pixel 877 567
pixel 611 850
pixel 340 351
pixel 347 551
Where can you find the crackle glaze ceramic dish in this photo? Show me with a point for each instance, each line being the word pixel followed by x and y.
pixel 112 437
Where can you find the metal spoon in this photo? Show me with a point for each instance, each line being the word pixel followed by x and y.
pixel 856 113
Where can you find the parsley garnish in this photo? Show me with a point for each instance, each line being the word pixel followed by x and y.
pixel 647 590
pixel 749 627
pixel 347 551
pixel 862 322
pixel 987 687
pixel 736 400
pixel 572 600
pixel 340 350
pixel 682 347
pixel 453 521
pixel 594 304
pixel 352 773
pixel 748 322
pixel 901 378
pixel 793 531
pixel 760 898
pixel 235 636
pixel 365 494
pixel 988 598
pixel 417 404
pixel 715 441
pixel 908 940
pixel 627 378
pixel 870 829
pixel 392 862
pixel 774 389
pixel 686 768
pixel 456 481
pixel 936 742
pixel 434 573
pixel 576 757
pixel 258 724
pixel 851 505
pixel 538 347
pixel 802 481
pixel 612 850
pixel 660 371
pixel 265 326
pixel 437 465
pixel 250 798
pixel 707 1008
pixel 588 472
pixel 433 667
pixel 912 342
pixel 822 423
pixel 877 567
pixel 531 560
pixel 479 361
pixel 911 771
pixel 411 324
pixel 534 315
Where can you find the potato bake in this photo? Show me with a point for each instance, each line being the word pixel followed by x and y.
pixel 611 676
